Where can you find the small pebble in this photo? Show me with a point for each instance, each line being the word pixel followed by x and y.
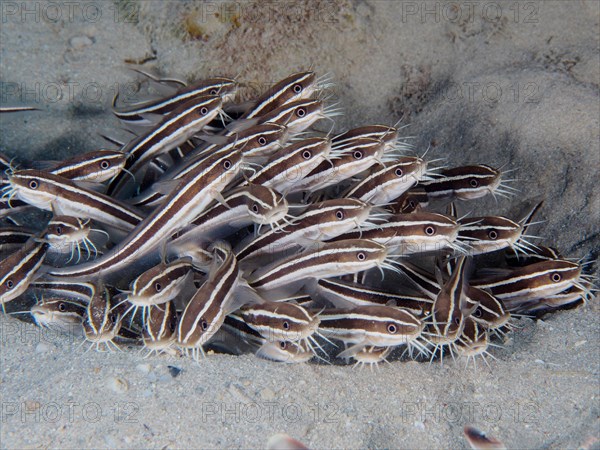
pixel 42 347
pixel 80 42
pixel 174 371
pixel 118 385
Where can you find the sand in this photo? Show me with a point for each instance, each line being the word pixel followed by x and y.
pixel 512 83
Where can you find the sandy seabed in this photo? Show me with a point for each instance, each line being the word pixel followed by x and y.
pixel 496 82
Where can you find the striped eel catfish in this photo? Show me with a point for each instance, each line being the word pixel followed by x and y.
pixel 295 87
pixel 63 196
pixel 206 310
pixel 64 314
pixel 352 157
pixel 385 184
pixel 258 140
pixel 327 260
pixel 466 183
pixel 320 221
pixel 281 322
pixel 160 327
pixel 218 86
pixel 418 232
pixel 447 318
pixel 241 206
pixel 292 163
pixel 344 294
pixel 19 269
pixel 530 283
pixel 189 199
pixel 176 128
pixel 381 326
pixel 66 233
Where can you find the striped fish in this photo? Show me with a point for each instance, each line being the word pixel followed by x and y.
pixel 295 87
pixel 61 195
pixel 352 158
pixel 19 269
pixel 218 86
pixel 344 294
pixel 63 314
pixel 253 143
pixel 13 238
pixel 320 221
pixel 465 183
pixel 101 324
pixel 206 311
pixel 328 260
pixel 447 318
pixel 531 282
pixel 176 128
pixel 280 321
pixel 191 197
pixel 412 233
pixel 159 329
pixel 292 163
pixel 390 182
pixel 381 326
pixel 70 234
pixel 241 207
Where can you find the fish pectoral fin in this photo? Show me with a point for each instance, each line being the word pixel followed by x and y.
pixel 351 351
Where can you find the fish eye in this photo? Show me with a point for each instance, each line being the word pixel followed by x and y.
pixel 282 345
pixel 227 164
pixel 399 172
pixel 457 321
pixel 286 325
pixel 255 208
pixel 493 235
pixel 473 182
pixel 34 184
pixel 213 92
pixel 204 325
pixel 112 318
pixel 361 256
pixel 477 313
pixel 411 203
pixel 339 214
pixel 104 164
pixel 204 110
pixel 306 154
pixel 556 277
pixel 301 112
pixel 9 284
pixel 430 230
pixel 62 307
pixel 59 230
pixel 357 155
pixel 297 88
pixel 262 140
pixel 392 328
pixel 158 287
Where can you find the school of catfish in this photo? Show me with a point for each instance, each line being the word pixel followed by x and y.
pixel 231 226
